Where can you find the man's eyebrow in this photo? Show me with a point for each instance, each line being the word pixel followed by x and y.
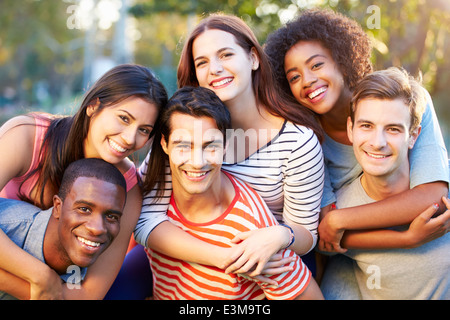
pixel 180 141
pixel 119 213
pixel 402 125
pixel 205 143
pixel 213 140
pixel 85 202
pixel 93 205
pixel 397 125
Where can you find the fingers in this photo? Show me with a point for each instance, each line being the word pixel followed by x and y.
pixel 275 271
pixel 276 265
pixel 429 212
pixel 279 263
pixel 331 247
pixel 232 257
pixel 266 280
pixel 337 248
pixel 240 237
pixel 244 264
pixel 446 202
pixel 444 219
pixel 446 215
pixel 277 257
pixel 427 227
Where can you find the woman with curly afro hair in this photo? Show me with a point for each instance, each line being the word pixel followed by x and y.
pixel 348 44
pixel 318 58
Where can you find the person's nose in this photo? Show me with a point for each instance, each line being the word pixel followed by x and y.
pixel 197 157
pixel 378 139
pixel 309 78
pixel 128 135
pixel 96 225
pixel 215 67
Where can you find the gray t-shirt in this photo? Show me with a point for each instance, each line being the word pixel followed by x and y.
pixel 419 273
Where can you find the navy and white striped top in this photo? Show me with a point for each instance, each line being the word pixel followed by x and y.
pixel 288 173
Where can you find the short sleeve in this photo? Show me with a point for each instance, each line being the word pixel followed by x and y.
pixel 429 158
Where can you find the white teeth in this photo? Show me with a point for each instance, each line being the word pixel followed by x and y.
pixel 315 93
pixel 376 156
pixel 116 147
pixel 89 243
pixel 220 83
pixel 195 174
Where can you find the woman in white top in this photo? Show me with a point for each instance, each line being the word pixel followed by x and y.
pixel 280 155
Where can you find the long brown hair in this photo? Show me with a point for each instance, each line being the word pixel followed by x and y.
pixel 63 142
pixel 265 88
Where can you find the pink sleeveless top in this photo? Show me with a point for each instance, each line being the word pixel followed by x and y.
pixel 11 190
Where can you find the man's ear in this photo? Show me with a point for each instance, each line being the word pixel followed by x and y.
pixel 164 144
pixel 413 137
pixel 57 206
pixel 350 129
pixel 92 107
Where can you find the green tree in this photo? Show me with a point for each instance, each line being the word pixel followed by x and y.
pixel 37 51
pixel 409 33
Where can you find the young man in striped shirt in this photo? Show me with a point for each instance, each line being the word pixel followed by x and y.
pixel 213 206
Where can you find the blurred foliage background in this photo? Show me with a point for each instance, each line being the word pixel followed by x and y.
pixel 52 50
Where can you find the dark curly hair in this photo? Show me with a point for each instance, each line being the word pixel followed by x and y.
pixel 349 45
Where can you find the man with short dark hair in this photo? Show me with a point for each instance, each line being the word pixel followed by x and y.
pixel 213 206
pixel 70 236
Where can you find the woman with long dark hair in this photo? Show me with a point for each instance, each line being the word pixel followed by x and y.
pixel 115 119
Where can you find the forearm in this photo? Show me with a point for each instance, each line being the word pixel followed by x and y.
pixel 376 239
pixel 14 285
pixel 397 210
pixel 303 239
pixel 176 243
pixel 154 209
pixel 20 263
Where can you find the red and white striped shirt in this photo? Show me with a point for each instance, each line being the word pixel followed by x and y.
pixel 180 280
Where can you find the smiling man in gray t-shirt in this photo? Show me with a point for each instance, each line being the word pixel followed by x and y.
pixel 385 123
